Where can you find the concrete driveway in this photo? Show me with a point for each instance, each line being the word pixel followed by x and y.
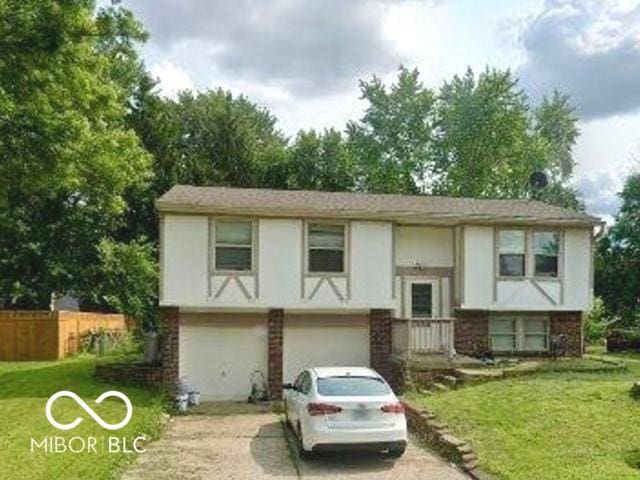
pixel 253 446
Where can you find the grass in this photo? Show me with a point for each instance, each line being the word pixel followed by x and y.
pixel 549 425
pixel 24 390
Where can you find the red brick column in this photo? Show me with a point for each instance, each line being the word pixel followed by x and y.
pixel 169 326
pixel 471 332
pixel 381 342
pixel 570 324
pixel 274 325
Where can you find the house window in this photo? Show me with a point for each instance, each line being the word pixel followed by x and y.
pixel 234 245
pixel 512 253
pixel 545 253
pixel 519 334
pixel 421 300
pixel 536 334
pixel 503 334
pixel 326 248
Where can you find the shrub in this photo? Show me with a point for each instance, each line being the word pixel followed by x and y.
pixel 597 325
pixel 108 342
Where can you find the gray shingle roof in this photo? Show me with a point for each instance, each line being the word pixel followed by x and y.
pixel 419 208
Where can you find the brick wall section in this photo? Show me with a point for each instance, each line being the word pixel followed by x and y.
pixel 570 324
pixel 381 342
pixel 471 332
pixel 169 325
pixel 274 326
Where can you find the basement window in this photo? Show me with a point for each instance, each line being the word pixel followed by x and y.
pixel 509 334
pixel 234 245
pixel 326 248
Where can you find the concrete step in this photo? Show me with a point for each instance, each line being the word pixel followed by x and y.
pixel 439 387
pixel 448 380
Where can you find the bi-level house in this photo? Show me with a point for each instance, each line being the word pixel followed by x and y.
pixel 261 283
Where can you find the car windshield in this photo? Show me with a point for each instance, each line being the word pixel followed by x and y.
pixel 352 386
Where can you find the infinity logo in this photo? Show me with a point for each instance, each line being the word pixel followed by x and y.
pixel 89 410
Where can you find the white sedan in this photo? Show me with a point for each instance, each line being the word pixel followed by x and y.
pixel 334 408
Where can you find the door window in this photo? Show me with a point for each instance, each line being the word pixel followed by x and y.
pixel 421 300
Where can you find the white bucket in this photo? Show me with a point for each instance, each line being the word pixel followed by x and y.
pixel 194 398
pixel 182 401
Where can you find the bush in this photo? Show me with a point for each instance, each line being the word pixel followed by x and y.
pixel 597 325
pixel 108 342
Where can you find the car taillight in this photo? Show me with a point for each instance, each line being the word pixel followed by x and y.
pixel 393 408
pixel 323 409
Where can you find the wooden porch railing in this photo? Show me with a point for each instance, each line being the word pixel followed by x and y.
pixel 429 335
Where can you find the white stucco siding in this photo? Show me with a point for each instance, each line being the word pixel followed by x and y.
pixel 280 261
pixel 523 294
pixel 426 246
pixel 577 269
pixel 478 252
pixel 220 355
pixel 184 259
pixel 371 263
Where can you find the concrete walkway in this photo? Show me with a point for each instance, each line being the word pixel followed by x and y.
pixel 253 446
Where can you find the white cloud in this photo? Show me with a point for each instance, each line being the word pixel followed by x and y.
pixel 172 79
pixel 588 48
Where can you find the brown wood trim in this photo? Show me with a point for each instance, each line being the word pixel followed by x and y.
pixel 425 271
pixel 436 220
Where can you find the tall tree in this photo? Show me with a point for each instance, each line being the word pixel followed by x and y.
pixel 320 161
pixel 66 157
pixel 392 141
pixel 208 138
pixel 618 258
pixel 476 136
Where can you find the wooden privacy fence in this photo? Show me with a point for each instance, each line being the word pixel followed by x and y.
pixel 45 335
pixel 429 335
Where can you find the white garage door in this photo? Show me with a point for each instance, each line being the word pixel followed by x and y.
pixel 218 357
pixel 314 341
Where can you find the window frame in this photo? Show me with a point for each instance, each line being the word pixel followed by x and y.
pixel 407 297
pixel 345 248
pixel 525 261
pixel 529 260
pixel 520 334
pixel 559 254
pixel 214 221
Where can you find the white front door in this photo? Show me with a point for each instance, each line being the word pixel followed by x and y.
pixel 422 298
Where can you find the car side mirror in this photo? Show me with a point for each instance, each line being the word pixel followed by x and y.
pixel 288 386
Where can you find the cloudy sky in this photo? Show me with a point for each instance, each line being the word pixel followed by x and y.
pixel 302 59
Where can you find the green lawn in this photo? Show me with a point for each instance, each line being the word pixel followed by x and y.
pixel 556 426
pixel 24 390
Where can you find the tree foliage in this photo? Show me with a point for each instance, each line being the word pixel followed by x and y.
pixel 393 141
pixel 476 136
pixel 66 157
pixel 320 161
pixel 87 144
pixel 618 258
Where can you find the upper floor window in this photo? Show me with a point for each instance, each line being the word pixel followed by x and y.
pixel 234 245
pixel 545 253
pixel 326 248
pixel 511 249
